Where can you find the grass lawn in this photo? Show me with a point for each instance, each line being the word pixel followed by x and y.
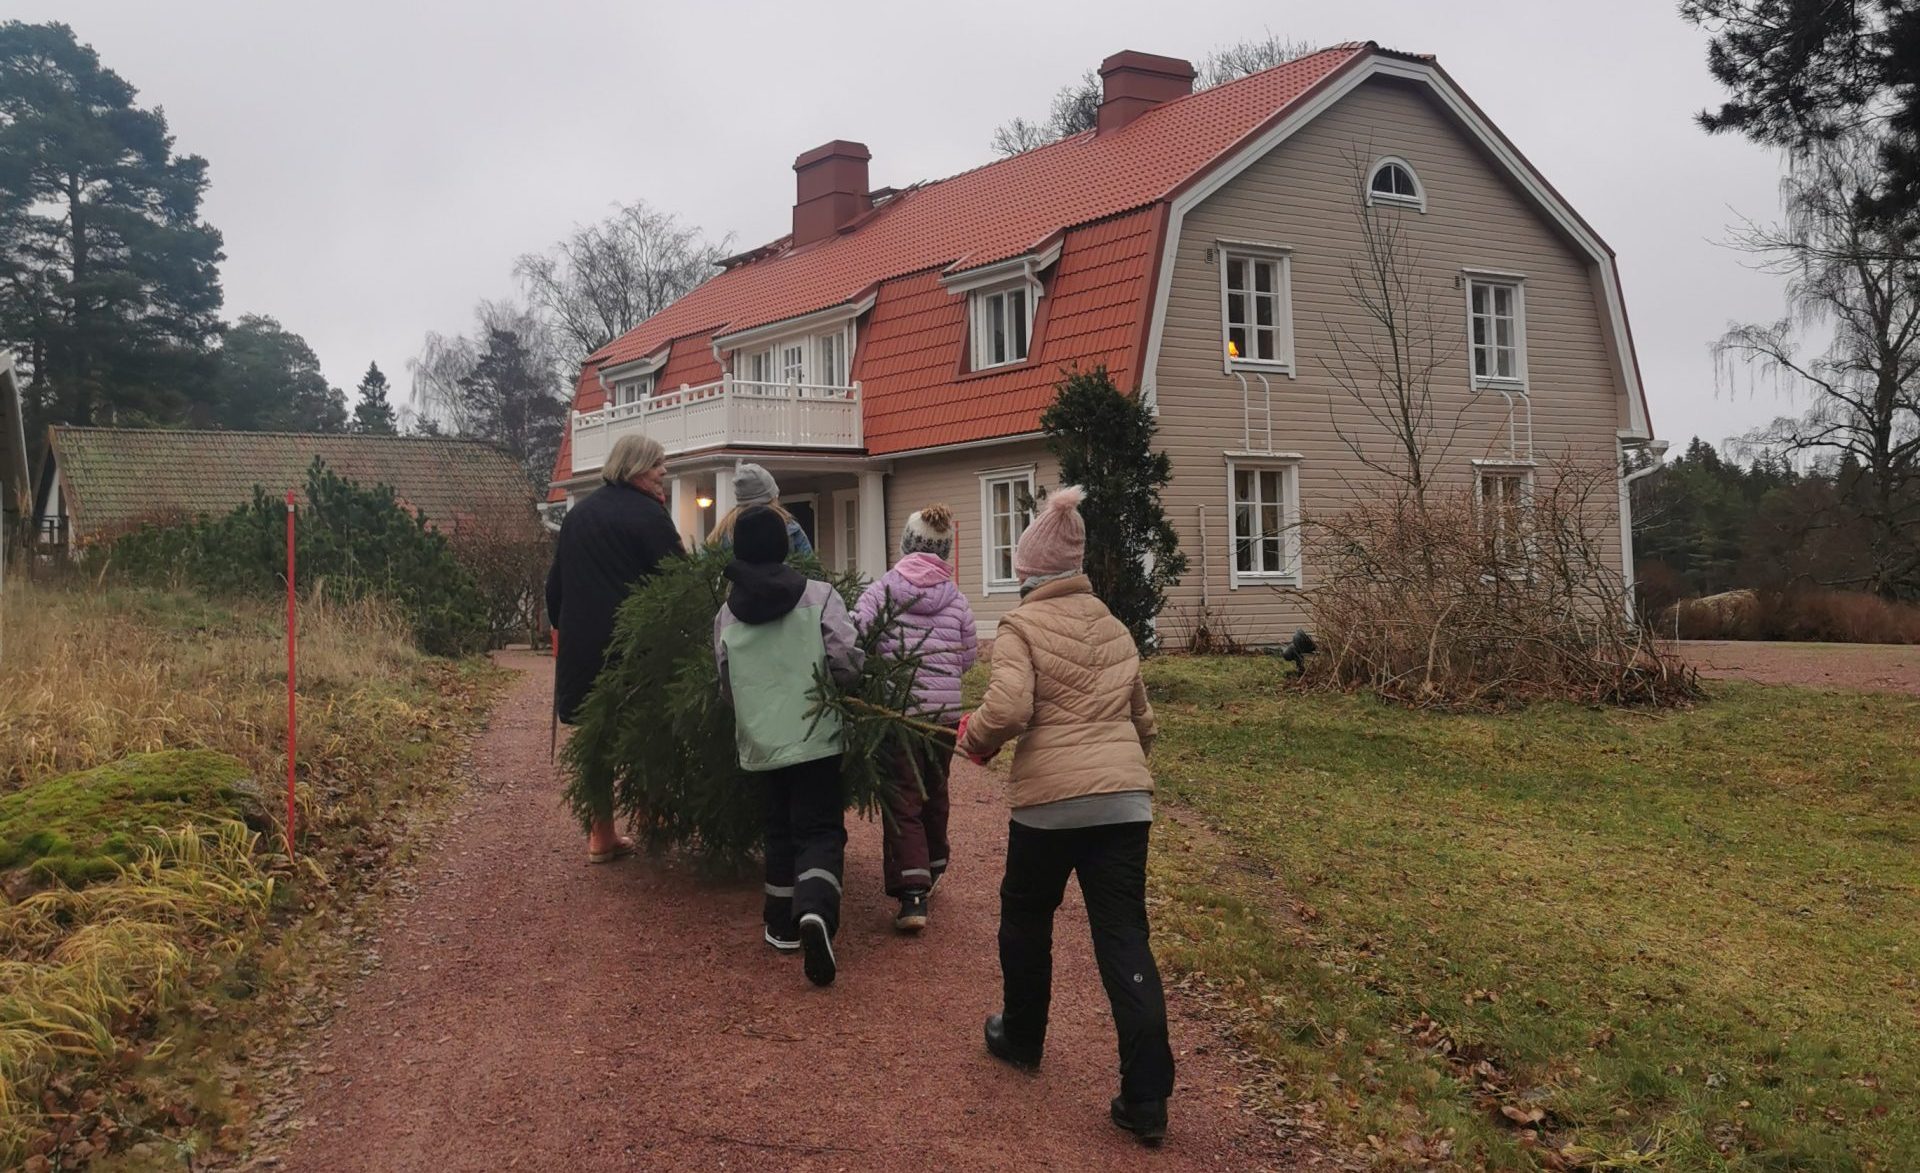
pixel 1558 938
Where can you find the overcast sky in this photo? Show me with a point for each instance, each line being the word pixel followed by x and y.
pixel 377 166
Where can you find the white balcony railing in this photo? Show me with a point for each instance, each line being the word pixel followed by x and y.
pixel 729 412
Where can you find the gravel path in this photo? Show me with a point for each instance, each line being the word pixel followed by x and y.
pixel 1870 667
pixel 534 1013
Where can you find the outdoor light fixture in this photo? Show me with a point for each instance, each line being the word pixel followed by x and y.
pixel 704 502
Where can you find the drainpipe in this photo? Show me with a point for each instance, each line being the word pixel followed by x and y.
pixel 1659 450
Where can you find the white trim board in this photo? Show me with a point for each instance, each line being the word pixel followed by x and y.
pixel 1481 130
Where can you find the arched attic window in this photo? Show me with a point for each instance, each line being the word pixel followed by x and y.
pixel 1393 182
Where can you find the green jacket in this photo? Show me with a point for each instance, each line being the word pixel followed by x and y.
pixel 775 629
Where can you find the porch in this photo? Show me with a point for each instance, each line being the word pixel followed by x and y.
pixel 727 413
pixel 839 501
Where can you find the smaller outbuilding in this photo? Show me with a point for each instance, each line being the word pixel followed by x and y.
pixel 97 483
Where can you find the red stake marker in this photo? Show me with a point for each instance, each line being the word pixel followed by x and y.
pixel 291 739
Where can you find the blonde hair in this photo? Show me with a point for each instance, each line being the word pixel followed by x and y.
pixel 632 455
pixel 723 529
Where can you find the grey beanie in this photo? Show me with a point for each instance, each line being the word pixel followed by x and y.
pixel 753 485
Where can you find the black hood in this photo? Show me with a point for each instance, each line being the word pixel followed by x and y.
pixel 763 591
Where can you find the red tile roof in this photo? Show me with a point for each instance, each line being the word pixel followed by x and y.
pixel 991 213
pixel 1101 195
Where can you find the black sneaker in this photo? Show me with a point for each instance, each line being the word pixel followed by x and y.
pixel 1147 1121
pixel 1004 1049
pixel 817 944
pixel 912 916
pixel 783 939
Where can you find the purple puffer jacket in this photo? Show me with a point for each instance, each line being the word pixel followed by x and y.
pixel 935 621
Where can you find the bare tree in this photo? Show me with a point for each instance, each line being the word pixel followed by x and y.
pixel 443 399
pixel 1231 62
pixel 607 278
pixel 1076 106
pixel 1854 278
pixel 1387 361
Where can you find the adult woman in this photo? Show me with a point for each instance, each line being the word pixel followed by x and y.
pixel 1066 682
pixel 609 542
pixel 753 485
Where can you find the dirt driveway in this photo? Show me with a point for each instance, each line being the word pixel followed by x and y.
pixel 534 1013
pixel 1872 667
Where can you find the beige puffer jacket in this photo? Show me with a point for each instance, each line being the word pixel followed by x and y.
pixel 1066 682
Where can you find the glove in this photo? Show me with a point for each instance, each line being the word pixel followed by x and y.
pixel 960 735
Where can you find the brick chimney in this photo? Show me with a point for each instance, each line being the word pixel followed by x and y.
pixel 1133 83
pixel 831 189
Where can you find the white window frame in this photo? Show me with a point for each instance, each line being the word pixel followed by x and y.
pixel 1418 200
pixel 1025 477
pixel 1490 280
pixel 631 391
pixel 1255 253
pixel 1288 466
pixel 846 529
pixel 979 309
pixel 1521 470
pixel 831 369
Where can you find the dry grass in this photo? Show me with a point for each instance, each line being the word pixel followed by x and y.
pixel 92 677
pixel 76 967
pixel 95 980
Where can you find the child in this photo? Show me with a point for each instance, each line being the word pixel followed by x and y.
pixel 1066 682
pixel 775 628
pixel 937 625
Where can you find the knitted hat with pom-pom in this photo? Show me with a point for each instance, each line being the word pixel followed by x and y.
pixel 1056 542
pixel 930 531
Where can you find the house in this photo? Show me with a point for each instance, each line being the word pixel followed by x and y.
pixel 97 483
pixel 898 347
pixel 14 476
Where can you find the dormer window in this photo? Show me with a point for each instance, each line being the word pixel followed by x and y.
pixel 1393 182
pixel 1002 325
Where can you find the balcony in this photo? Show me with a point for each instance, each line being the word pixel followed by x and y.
pixel 731 412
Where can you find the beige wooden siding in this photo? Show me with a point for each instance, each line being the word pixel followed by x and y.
pixel 1304 196
pixel 954 479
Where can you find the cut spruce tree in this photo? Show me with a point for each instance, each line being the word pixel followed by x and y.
pixel 655 738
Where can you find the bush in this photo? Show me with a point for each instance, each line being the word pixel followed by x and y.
pixel 1799 613
pixel 1438 599
pixel 1103 439
pixel 350 543
pixel 508 560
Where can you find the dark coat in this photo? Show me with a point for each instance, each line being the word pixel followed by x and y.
pixel 608 543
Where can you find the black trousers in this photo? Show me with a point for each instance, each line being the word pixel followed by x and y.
pixel 1111 862
pixel 806 844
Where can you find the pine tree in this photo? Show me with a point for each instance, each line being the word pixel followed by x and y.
pixel 372 413
pixel 109 279
pixel 1103 439
pixel 657 739
pixel 269 380
pixel 514 401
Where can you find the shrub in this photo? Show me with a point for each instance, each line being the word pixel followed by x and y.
pixel 508 560
pixel 350 543
pixel 1438 599
pixel 1799 613
pixel 1103 439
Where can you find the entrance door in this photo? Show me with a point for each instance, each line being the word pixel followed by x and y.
pixel 803 513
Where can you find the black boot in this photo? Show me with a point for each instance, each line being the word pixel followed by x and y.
pixel 1005 1050
pixel 1147 1120
pixel 912 916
